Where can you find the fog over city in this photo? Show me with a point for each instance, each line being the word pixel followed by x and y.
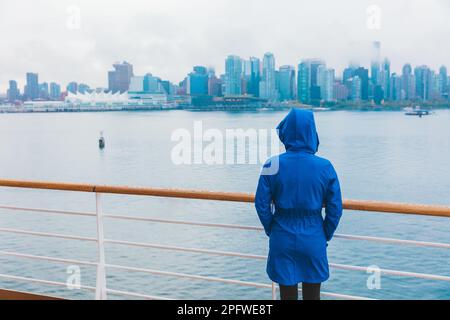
pixel 168 37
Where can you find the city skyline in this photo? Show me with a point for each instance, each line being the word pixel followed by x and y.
pixel 313 81
pixel 160 38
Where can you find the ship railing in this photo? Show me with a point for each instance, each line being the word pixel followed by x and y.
pixel 101 291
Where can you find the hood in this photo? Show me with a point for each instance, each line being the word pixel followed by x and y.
pixel 298 132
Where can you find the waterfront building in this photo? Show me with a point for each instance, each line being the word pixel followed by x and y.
pixel 96 99
pixel 13 92
pixel 147 87
pixel 267 85
pixel 136 84
pixel 198 81
pixel 55 91
pixel 286 82
pixel 152 84
pixel 32 87
pixel 149 90
pixel 119 78
pixel 168 88
pixel 72 87
pixel 233 75
pixel 304 82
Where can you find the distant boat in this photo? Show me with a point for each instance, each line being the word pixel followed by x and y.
pixel 101 141
pixel 320 109
pixel 417 111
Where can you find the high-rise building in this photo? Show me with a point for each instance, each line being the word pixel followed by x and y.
pixel 384 78
pixel 267 85
pixel 395 88
pixel 315 92
pixel 214 85
pixel 363 77
pixel 435 89
pixel 375 63
pixel 325 81
pixel 340 91
pixel 55 91
pixel 348 73
pixel 119 79
pixel 378 94
pixel 245 78
pixel 44 91
pixel 152 84
pixel 182 87
pixel 233 75
pixel 198 81
pixel 423 76
pixel 443 82
pixel 408 83
pixel 13 92
pixel 304 82
pixel 136 84
pixel 148 87
pixel 32 86
pixel 254 77
pixel 167 87
pixel 286 83
pixel 356 88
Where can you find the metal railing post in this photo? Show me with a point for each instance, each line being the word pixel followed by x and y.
pixel 100 288
pixel 274 291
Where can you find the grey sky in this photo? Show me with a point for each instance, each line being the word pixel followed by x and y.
pixel 168 37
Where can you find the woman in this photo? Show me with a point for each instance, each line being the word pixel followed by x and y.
pixel 299 188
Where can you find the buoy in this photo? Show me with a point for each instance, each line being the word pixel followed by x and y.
pixel 101 141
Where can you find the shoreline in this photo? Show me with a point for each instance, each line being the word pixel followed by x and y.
pixel 5 109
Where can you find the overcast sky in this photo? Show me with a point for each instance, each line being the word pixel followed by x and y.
pixel 168 37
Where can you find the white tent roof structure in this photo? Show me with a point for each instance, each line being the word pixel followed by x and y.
pixel 96 97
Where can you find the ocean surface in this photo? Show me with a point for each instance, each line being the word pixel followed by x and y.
pixel 378 156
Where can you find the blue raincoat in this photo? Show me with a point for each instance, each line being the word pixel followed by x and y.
pixel 303 182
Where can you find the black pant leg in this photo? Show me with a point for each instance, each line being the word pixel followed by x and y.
pixel 289 292
pixel 311 291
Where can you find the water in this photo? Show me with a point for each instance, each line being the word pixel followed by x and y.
pixel 378 156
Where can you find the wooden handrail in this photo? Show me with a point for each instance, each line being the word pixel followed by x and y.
pixel 359 205
pixel 21 295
